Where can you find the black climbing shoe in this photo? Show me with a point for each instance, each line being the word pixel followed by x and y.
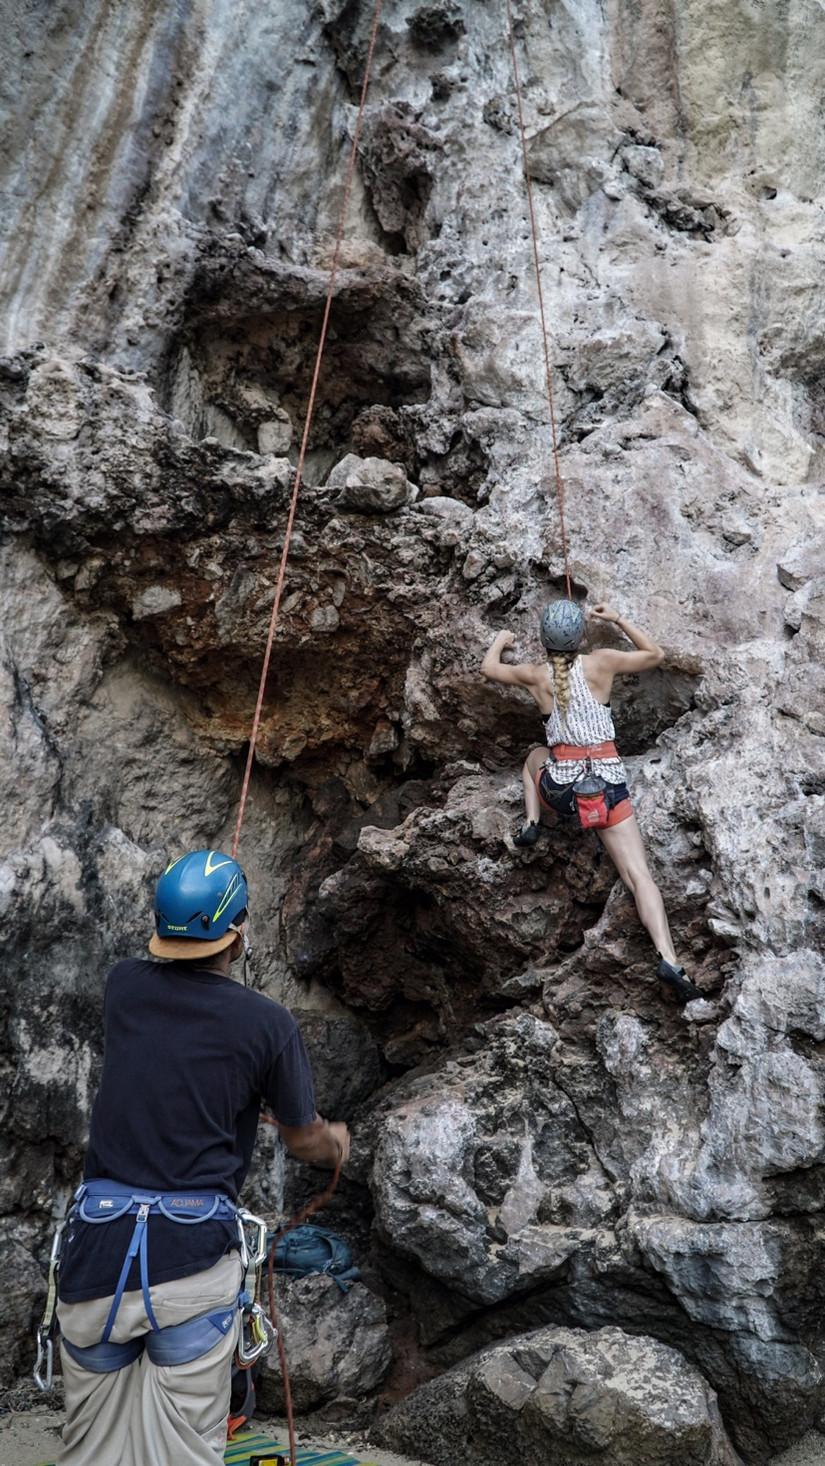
pixel 528 834
pixel 677 978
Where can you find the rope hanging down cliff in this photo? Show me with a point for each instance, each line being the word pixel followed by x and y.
pixel 296 485
pixel 296 489
pixel 548 371
pixel 321 1200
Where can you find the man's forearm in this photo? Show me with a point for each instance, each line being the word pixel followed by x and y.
pixel 316 1143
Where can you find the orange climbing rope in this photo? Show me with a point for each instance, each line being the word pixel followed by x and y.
pixel 326 1195
pixel 313 1206
pixel 296 485
pixel 548 371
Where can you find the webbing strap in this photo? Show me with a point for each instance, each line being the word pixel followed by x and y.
pixel 180 1343
pixel 51 1288
pixel 139 1240
pixel 579 752
pixel 144 1276
pixel 136 1241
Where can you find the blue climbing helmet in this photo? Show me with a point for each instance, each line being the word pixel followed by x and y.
pixel 561 626
pixel 198 901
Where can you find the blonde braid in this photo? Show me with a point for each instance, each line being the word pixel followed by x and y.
pixel 560 671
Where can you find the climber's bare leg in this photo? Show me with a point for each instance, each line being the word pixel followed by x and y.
pixel 623 843
pixel 529 773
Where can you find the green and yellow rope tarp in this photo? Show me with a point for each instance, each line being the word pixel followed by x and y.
pixel 249 1443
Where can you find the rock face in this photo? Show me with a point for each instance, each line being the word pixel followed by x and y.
pixel 337 1344
pixel 541 1140
pixel 564 1396
pixel 484 1172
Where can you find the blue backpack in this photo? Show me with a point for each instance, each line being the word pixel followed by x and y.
pixel 309 1249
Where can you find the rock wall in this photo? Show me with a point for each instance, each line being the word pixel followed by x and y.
pixel 543 1144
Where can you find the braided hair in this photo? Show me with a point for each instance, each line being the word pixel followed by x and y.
pixel 560 664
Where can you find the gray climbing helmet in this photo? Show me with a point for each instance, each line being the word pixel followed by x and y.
pixel 562 626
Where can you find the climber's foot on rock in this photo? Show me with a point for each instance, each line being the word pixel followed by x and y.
pixel 677 979
pixel 528 834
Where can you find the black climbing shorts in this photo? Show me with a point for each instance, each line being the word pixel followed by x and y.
pixel 560 798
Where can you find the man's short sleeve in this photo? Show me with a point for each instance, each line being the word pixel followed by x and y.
pixel 288 1086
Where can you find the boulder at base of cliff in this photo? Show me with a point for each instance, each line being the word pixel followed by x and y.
pixel 566 1396
pixel 337 1343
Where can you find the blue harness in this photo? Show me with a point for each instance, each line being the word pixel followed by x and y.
pixel 98 1202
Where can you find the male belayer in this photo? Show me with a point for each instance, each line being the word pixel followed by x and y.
pixel 578 774
pixel 153 1262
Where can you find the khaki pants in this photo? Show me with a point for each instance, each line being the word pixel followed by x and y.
pixel 148 1414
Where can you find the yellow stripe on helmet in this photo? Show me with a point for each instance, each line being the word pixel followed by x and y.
pixel 227 896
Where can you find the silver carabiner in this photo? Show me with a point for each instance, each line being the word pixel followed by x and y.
pixel 57 1243
pixel 250 1258
pixel 45 1355
pixel 45 1347
pixel 263 1332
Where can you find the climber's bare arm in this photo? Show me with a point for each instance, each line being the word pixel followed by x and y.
pixel 648 653
pixel 518 674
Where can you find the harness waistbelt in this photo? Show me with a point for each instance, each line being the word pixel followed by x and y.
pixel 570 751
pixel 99 1201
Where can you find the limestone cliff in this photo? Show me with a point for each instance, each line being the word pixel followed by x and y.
pixel 543 1144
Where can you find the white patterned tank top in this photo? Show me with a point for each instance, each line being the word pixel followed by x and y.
pixel 587 721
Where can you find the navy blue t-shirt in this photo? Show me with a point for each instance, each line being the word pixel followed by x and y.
pixel 188 1057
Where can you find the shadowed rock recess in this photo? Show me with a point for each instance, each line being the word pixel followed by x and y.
pixel 584 1222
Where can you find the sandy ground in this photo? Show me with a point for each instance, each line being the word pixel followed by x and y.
pixel 30 1437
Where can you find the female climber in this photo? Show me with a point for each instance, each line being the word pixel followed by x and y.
pixel 581 776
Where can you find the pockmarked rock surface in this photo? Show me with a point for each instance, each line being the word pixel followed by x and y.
pixel 542 1141
pixel 565 1396
pixel 337 1344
